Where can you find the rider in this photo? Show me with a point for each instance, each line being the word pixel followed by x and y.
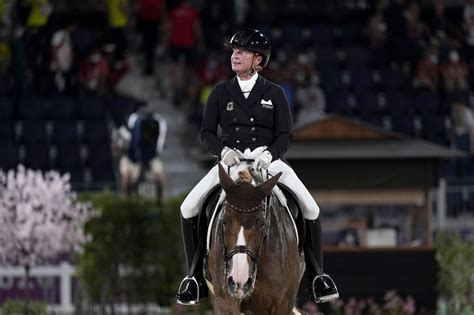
pixel 253 113
pixel 143 138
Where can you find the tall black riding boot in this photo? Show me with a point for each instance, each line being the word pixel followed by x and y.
pixel 193 286
pixel 321 286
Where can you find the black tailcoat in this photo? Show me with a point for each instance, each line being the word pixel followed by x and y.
pixel 263 119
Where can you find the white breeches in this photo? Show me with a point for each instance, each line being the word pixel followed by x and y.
pixel 195 199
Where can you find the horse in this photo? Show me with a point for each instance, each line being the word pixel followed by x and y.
pixel 254 265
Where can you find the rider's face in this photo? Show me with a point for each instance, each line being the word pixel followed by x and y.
pixel 241 60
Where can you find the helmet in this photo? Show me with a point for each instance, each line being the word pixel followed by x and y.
pixel 252 40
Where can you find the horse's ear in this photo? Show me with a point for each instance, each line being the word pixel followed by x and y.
pixel 225 179
pixel 268 185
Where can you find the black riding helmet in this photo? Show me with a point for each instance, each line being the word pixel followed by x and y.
pixel 252 40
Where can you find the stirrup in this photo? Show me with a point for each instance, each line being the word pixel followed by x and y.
pixel 187 280
pixel 325 298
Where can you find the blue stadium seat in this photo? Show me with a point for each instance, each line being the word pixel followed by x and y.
pixel 68 154
pixel 8 157
pixel 369 108
pixel 470 78
pixel 6 109
pixel 95 131
pixel 91 107
pixel 326 59
pixel 32 107
pixel 65 131
pixel 322 35
pixel 341 103
pixel 103 174
pixel 462 142
pixel 399 103
pixel 331 80
pixel 403 123
pixel 34 131
pixel 380 57
pixel 350 34
pixel 291 37
pixel 99 153
pixel 361 80
pixel 457 96
pixel 63 107
pixel 393 79
pixel 427 102
pixel 7 134
pixel 434 129
pixel 37 156
pixel 356 58
pixel 120 107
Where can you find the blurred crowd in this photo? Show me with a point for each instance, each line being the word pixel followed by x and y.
pixel 57 47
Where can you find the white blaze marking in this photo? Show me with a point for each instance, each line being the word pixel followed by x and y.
pixel 240 265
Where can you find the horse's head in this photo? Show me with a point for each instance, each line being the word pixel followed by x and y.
pixel 242 226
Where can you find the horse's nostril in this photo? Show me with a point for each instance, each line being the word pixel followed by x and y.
pixel 231 283
pixel 248 284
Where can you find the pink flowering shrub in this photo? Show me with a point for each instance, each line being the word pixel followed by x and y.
pixel 40 217
pixel 393 304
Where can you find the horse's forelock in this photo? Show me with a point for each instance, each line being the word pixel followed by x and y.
pixel 244 195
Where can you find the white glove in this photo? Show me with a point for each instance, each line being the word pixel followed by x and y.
pixel 263 160
pixel 229 157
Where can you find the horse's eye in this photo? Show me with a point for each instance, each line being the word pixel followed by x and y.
pixel 224 223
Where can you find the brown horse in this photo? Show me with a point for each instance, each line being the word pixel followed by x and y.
pixel 254 265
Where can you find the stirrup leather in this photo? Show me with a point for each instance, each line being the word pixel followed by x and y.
pixel 325 298
pixel 187 280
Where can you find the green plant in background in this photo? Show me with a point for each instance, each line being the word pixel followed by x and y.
pixel 134 255
pixel 456 273
pixel 17 307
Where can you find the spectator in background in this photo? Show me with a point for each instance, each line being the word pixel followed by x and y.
pixel 62 60
pixel 149 17
pixel 210 71
pixel 142 141
pixel 427 70
pixel 311 100
pixel 308 97
pixel 184 43
pixel 377 27
pixel 117 64
pixel 416 32
pixel 5 61
pixel 38 43
pixel 93 72
pixel 118 19
pixel 463 126
pixel 455 73
pixel 469 27
pixel 39 13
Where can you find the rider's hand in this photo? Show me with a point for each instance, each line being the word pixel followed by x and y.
pixel 263 160
pixel 229 157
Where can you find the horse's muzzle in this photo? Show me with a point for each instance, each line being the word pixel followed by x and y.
pixel 239 290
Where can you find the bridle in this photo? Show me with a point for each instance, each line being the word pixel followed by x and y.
pixel 241 249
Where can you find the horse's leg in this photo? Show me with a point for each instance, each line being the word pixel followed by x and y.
pixel 159 182
pixel 224 305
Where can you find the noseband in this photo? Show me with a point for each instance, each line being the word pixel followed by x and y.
pixel 241 249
